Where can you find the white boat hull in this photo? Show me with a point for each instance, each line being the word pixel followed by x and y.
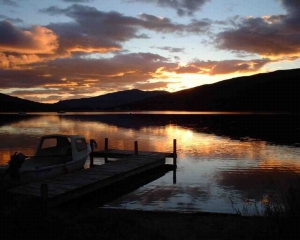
pixel 56 155
pixel 37 174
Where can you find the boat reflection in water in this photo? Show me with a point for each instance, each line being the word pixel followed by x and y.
pixel 220 157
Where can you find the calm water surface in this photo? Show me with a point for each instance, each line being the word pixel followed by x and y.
pixel 222 158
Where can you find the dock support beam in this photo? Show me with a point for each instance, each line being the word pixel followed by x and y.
pixel 106 148
pixel 174 154
pixel 91 153
pixel 136 149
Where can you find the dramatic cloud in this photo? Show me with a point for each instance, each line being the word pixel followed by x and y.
pixel 33 41
pixel 92 31
pixel 183 7
pixel 25 79
pixel 275 36
pixel 96 31
pixel 292 6
pixel 66 58
pixel 9 3
pixel 171 49
pixel 223 67
pixel 139 63
pixel 78 1
pixel 56 56
pixel 101 23
pixel 12 20
pixel 79 76
pixel 15 61
pixel 165 25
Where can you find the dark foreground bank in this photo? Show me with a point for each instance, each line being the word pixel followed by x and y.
pixel 22 218
pixel 84 223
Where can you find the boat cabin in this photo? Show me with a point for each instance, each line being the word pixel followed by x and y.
pixel 58 149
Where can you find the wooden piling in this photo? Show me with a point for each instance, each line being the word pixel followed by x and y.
pixel 136 149
pixel 106 144
pixel 91 153
pixel 174 153
pixel 174 176
pixel 106 148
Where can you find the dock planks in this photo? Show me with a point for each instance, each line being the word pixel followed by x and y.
pixel 71 186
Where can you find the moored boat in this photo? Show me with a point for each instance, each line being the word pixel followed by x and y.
pixel 55 155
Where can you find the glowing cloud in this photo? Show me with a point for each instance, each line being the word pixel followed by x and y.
pixel 37 40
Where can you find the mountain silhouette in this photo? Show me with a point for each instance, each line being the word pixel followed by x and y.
pixel 15 104
pixel 268 92
pixel 276 92
pixel 110 100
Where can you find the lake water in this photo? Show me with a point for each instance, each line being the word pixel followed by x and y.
pixel 223 159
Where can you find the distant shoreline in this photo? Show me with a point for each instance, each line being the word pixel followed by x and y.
pixel 156 112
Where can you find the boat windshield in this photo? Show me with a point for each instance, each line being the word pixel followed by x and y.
pixel 54 146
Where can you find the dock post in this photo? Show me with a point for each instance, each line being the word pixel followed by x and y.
pixel 136 149
pixel 174 176
pixel 106 148
pixel 174 154
pixel 91 153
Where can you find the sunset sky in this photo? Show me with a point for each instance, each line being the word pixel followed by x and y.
pixel 66 49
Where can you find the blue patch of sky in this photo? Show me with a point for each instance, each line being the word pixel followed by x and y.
pixel 221 10
pixel 284 65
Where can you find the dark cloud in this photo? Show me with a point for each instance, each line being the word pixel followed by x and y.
pixel 12 20
pixel 182 7
pixel 9 3
pixel 78 1
pixel 124 27
pixel 35 40
pixel 96 31
pixel 165 25
pixel 292 6
pixel 142 36
pixel 124 69
pixel 25 79
pixel 171 49
pixel 274 36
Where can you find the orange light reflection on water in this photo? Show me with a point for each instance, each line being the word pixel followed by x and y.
pixel 209 166
pixel 22 136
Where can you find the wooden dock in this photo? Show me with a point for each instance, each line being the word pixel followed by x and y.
pixel 68 187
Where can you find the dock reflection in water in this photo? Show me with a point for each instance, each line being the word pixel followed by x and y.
pixel 220 157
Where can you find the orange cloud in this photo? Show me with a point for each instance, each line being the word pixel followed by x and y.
pixel 10 61
pixel 37 40
pixel 274 37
